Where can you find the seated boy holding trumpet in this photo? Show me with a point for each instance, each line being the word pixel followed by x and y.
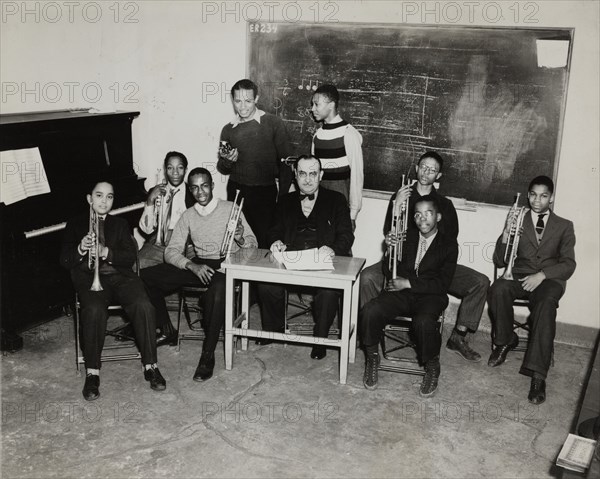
pixel 165 204
pixel 425 268
pixel 205 224
pixel 540 260
pixel 100 252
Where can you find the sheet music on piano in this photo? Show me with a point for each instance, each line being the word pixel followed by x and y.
pixel 23 175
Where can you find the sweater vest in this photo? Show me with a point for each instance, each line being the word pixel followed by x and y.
pixel 306 231
pixel 330 149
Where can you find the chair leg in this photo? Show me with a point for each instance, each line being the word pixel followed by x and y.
pixel 76 329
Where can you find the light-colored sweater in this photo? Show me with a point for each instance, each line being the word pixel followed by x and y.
pixel 206 234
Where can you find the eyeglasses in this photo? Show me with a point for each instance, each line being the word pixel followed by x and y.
pixel 424 215
pixel 428 169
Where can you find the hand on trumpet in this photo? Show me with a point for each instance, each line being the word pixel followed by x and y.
pixel 402 195
pixel 156 194
pixel 229 154
pixel 392 238
pixel 87 242
pixel 239 234
pixel 397 284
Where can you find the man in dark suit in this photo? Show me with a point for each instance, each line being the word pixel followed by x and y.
pixel 177 198
pixel 117 252
pixel 545 260
pixel 312 217
pixel 424 275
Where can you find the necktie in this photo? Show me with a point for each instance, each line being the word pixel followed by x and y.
pixel 539 227
pixel 310 197
pixel 420 254
pixel 167 221
pixel 101 237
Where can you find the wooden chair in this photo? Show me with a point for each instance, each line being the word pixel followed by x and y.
pixel 396 337
pixel 116 333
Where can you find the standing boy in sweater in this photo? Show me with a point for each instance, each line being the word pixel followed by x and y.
pixel 338 145
pixel 257 141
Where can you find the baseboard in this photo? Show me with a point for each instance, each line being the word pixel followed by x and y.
pixel 571 334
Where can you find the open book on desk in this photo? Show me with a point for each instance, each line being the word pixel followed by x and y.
pixel 304 260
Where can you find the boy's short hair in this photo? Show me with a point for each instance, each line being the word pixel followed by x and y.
pixel 200 171
pixel 176 154
pixel 542 180
pixel 434 156
pixel 308 157
pixel 93 183
pixel 244 84
pixel 330 92
pixel 429 199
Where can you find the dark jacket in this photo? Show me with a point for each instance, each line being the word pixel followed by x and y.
pixel 436 268
pixel 121 246
pixel 554 255
pixel 334 227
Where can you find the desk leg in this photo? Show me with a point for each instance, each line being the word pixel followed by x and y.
pixel 245 311
pixel 229 311
pixel 346 318
pixel 354 320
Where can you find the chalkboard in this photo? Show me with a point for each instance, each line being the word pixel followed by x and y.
pixel 475 95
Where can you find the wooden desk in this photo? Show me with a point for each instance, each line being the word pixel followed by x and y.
pixel 258 265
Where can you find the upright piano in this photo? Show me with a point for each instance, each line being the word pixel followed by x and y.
pixel 76 148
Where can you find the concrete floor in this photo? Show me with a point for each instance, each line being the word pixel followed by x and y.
pixel 278 414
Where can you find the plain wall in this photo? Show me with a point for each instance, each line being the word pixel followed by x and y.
pixel 176 61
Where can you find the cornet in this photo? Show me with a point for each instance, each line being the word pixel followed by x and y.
pixel 512 246
pixel 94 260
pixel 399 228
pixel 232 222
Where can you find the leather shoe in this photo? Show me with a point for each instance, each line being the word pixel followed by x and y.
pixel 430 380
pixel 537 391
pixel 318 352
pixel 205 367
pixel 157 382
pixel 460 346
pixel 91 387
pixel 499 353
pixel 264 341
pixel 168 339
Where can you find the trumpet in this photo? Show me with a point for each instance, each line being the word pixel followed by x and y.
pixel 399 228
pixel 161 212
pixel 94 262
pixel 512 246
pixel 232 222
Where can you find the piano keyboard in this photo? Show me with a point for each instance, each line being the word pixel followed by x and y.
pixel 51 229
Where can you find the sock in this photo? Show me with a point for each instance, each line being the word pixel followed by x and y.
pixel 461 331
pixel 373 349
pixel 150 366
pixel 95 372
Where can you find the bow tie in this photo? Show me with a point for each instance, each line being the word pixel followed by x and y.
pixel 310 197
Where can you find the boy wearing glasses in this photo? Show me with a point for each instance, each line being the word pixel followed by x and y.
pixel 419 291
pixel 467 284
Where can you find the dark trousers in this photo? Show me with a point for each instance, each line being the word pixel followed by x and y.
pixel 130 293
pixel 272 301
pixel 467 284
pixel 424 309
pixel 543 303
pixel 165 279
pixel 259 207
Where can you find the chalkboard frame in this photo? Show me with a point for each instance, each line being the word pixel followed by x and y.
pixel 466 203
